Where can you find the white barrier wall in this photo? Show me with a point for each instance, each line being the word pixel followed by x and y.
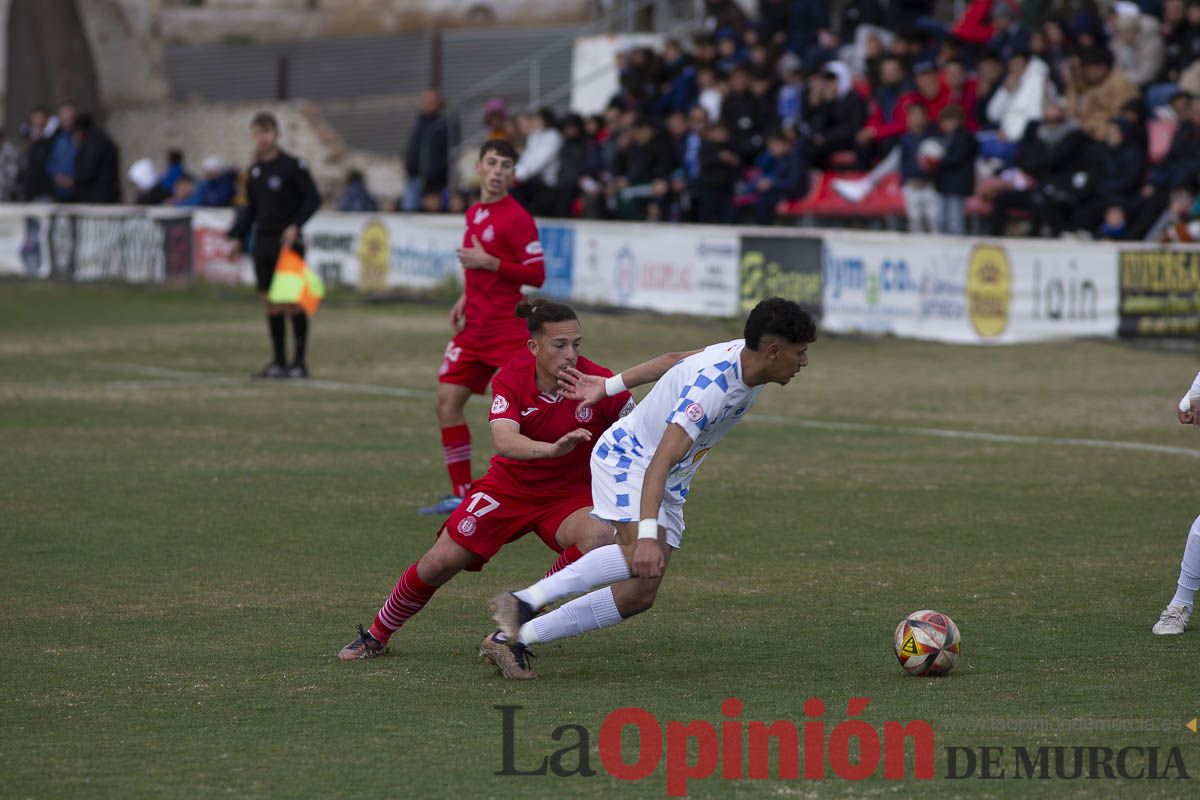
pixel 958 290
pixel 951 289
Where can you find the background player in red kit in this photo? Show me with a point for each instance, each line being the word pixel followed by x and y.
pixel 500 254
pixel 538 481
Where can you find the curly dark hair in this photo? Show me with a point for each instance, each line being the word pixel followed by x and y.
pixel 778 317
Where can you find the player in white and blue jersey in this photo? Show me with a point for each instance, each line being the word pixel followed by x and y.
pixel 642 468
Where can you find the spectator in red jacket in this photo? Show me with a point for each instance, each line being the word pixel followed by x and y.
pixel 931 93
pixel 962 91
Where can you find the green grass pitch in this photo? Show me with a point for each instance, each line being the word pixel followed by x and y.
pixel 183 551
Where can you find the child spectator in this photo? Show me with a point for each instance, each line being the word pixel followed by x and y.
pixel 783 175
pixel 954 177
pixel 920 199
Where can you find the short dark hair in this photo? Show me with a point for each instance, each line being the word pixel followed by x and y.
pixel 778 317
pixel 537 311
pixel 953 112
pixel 501 147
pixel 265 120
pixel 1097 55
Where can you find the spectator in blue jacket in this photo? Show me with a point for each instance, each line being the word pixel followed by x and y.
pixel 783 175
pixel 356 196
pixel 63 150
pixel 217 184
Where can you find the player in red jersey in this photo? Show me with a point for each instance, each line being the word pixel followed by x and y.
pixel 500 254
pixel 539 480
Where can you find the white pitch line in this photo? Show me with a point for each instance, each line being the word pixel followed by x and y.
pixel 979 436
pixel 311 383
pixel 802 422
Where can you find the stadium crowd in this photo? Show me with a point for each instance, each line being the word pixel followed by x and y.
pixel 1047 117
pixel 1054 118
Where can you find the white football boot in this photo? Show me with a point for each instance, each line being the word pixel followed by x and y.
pixel 1173 620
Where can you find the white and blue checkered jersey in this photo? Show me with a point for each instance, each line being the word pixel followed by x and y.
pixel 703 394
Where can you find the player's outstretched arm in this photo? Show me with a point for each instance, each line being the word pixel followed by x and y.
pixel 648 560
pixel 1189 405
pixel 591 389
pixel 511 443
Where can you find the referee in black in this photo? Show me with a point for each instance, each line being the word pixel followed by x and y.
pixel 280 198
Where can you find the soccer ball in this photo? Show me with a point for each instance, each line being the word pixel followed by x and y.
pixel 930 154
pixel 927 643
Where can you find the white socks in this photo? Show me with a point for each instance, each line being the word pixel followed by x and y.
pixel 1189 570
pixel 583 614
pixel 599 567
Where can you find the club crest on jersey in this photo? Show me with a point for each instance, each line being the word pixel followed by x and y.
pixel 499 405
pixel 583 414
pixel 694 412
pixel 481 215
pixel 466 526
pixel 274 183
pixel 489 233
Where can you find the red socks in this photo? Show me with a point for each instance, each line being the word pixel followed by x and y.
pixel 410 596
pixel 568 556
pixel 456 445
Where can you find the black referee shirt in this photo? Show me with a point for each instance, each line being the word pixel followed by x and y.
pixel 279 193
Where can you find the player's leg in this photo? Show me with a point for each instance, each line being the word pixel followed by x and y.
pixel 1174 618
pixel 266 253
pixel 570 530
pixel 580 533
pixel 459 376
pixel 299 366
pixel 603 607
pixel 471 536
pixel 415 588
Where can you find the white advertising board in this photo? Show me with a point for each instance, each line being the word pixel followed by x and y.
pixel 959 290
pixel 670 268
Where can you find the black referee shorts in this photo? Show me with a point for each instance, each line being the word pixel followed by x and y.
pixel 266 254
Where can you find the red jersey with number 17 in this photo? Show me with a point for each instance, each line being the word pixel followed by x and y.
pixel 548 417
pixel 506 231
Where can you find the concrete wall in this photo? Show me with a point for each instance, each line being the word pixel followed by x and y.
pixel 206 129
pixel 283 20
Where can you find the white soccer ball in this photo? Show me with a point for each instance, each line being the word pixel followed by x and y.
pixel 927 643
pixel 930 153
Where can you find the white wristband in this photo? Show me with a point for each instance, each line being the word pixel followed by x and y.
pixel 614 386
pixel 1185 405
pixel 648 529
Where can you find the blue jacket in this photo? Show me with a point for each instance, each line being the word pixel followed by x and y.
pixel 62 161
pixel 788 175
pixel 908 144
pixel 214 192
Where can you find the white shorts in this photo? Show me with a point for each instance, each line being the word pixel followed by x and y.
pixel 616 500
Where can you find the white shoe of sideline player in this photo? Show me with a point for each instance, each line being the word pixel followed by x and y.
pixel 1172 621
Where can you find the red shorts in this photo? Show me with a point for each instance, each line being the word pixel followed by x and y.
pixel 494 514
pixel 465 366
